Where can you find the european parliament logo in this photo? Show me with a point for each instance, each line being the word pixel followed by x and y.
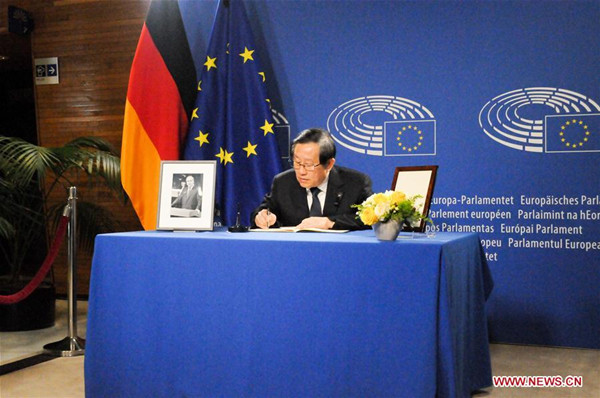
pixel 573 133
pixel 414 137
pixel 543 119
pixel 381 125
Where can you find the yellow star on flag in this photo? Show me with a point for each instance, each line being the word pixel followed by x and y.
pixel 194 114
pixel 268 127
pixel 202 138
pixel 200 85
pixel 263 76
pixel 210 62
pixel 224 156
pixel 247 54
pixel 250 149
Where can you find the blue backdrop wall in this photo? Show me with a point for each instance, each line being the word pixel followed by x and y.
pixel 502 95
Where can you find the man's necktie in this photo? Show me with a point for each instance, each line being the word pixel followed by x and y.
pixel 315 208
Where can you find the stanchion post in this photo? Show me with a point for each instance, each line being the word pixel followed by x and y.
pixel 71 345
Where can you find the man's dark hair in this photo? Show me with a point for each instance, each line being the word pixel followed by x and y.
pixel 320 137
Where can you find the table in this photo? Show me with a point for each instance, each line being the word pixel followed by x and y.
pixel 206 314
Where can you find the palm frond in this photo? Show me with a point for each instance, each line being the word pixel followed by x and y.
pixel 7 230
pixel 96 157
pixel 25 167
pixel 22 162
pixel 96 143
pixel 108 167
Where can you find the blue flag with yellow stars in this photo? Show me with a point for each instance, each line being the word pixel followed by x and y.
pixel 409 137
pixel 232 121
pixel 573 133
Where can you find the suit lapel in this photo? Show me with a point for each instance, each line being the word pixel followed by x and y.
pixel 300 202
pixel 334 192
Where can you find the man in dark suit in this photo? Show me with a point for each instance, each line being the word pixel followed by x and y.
pixel 190 197
pixel 315 193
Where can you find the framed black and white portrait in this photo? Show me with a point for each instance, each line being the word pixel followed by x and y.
pixel 186 197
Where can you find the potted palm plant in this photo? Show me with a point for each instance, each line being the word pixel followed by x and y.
pixel 32 179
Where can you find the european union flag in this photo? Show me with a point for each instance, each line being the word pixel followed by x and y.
pixel 409 137
pixel 232 120
pixel 573 133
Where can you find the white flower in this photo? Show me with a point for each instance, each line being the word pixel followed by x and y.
pixel 382 209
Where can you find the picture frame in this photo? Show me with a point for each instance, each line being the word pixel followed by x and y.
pixel 186 195
pixel 416 181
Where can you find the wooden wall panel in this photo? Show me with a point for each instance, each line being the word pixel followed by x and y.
pixel 95 43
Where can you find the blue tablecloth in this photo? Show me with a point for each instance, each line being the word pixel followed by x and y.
pixel 216 314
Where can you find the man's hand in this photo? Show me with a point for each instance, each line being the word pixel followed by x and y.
pixel 265 219
pixel 316 222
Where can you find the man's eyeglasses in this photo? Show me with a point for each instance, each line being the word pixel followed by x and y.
pixel 308 167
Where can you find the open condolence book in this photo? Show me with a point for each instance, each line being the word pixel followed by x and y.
pixel 296 229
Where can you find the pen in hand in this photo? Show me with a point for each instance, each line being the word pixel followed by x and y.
pixel 268 214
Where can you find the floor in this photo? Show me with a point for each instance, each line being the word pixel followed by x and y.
pixel 63 377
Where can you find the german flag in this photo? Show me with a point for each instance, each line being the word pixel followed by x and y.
pixel 160 98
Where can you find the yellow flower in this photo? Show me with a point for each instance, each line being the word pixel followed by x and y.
pixel 388 205
pixel 398 197
pixel 379 198
pixel 367 216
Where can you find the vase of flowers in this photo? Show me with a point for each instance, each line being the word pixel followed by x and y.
pixel 388 230
pixel 387 212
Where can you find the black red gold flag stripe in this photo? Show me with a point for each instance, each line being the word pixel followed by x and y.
pixel 160 97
